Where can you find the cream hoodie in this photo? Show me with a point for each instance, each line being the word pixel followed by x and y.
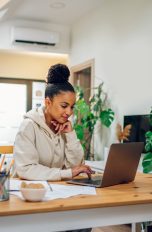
pixel 42 155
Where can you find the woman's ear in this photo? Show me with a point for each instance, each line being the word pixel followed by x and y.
pixel 47 101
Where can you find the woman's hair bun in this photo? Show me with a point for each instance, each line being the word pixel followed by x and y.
pixel 58 73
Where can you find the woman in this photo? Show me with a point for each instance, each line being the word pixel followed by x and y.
pixel 46 146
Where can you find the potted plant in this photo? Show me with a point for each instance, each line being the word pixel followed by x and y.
pixel 147 160
pixel 86 115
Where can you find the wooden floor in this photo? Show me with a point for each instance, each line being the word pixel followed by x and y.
pixel 120 228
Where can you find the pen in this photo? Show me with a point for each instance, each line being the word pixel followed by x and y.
pixel 11 164
pixel 50 187
pixel 1 164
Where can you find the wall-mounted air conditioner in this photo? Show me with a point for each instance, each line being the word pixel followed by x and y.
pixel 26 35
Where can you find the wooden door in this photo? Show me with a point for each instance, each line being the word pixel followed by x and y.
pixel 82 75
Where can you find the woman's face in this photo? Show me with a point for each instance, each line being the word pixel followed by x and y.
pixel 60 108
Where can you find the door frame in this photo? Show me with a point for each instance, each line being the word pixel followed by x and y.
pixel 79 67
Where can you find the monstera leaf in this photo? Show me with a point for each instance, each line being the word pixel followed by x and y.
pixel 106 117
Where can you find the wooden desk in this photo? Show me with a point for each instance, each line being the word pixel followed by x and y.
pixel 119 204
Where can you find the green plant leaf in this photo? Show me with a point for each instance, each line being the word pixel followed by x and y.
pixel 87 115
pixel 92 99
pixel 148 134
pixel 79 92
pixel 107 117
pixel 79 131
pixel 148 146
pixel 82 106
pixel 147 162
pixel 97 105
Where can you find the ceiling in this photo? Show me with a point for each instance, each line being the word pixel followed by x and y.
pixel 65 12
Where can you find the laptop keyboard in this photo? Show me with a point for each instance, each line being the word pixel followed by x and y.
pixel 93 181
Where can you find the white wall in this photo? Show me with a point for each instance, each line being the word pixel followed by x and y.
pixel 119 36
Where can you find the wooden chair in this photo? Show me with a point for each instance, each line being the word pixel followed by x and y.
pixel 4 150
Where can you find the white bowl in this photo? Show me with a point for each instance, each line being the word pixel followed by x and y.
pixel 31 194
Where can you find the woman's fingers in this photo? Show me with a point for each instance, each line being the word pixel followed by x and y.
pixel 82 169
pixel 57 126
pixel 54 123
pixel 65 127
pixel 60 128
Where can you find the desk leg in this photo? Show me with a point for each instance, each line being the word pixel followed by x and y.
pixel 133 227
pixel 136 227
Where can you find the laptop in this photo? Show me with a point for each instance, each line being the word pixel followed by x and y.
pixel 121 166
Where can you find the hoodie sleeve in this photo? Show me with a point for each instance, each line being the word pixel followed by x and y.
pixel 27 158
pixel 73 150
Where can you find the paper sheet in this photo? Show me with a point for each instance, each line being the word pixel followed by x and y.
pixel 64 191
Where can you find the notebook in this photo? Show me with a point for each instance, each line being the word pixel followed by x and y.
pixel 121 166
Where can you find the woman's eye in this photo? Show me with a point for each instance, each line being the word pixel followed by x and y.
pixel 64 106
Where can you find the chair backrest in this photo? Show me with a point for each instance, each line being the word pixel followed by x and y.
pixel 6 150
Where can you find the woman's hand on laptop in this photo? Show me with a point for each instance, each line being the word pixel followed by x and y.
pixel 82 169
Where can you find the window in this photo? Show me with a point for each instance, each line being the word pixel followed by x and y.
pixel 15 99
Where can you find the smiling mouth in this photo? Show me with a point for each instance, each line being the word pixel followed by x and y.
pixel 65 118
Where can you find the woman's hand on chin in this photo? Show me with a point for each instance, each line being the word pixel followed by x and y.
pixel 62 128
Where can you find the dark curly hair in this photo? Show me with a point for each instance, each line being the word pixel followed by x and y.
pixel 58 80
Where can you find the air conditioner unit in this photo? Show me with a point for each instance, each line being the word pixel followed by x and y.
pixel 34 36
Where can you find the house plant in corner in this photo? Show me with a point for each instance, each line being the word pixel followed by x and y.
pixel 147 166
pixel 147 160
pixel 86 115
